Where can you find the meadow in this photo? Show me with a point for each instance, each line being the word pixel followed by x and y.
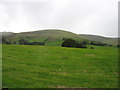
pixel 29 66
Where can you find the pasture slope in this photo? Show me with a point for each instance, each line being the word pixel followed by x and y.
pixel 26 66
pixel 54 37
pixel 108 40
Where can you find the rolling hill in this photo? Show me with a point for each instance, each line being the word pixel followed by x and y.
pixel 50 36
pixel 112 41
pixel 55 37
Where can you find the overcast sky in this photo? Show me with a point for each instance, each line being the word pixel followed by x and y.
pixel 99 17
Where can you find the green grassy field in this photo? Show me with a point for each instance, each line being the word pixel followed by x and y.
pixel 27 66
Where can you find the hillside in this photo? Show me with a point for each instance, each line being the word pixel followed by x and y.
pixel 112 41
pixel 5 34
pixel 55 37
pixel 50 36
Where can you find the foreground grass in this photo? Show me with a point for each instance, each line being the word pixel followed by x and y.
pixel 48 67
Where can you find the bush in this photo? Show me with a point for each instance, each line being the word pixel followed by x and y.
pixel 36 43
pixel 80 45
pixel 73 43
pixel 8 42
pixel 92 48
pixel 118 46
pixel 109 45
pixel 69 43
pixel 98 43
pixel 14 42
pixel 84 42
pixel 23 42
pixel 3 40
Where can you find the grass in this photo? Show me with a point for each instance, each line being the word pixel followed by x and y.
pixel 27 66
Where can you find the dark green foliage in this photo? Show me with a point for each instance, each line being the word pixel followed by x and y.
pixel 14 42
pixel 98 43
pixel 8 42
pixel 3 40
pixel 36 43
pixel 84 42
pixel 109 45
pixel 69 43
pixel 73 43
pixel 23 42
pixel 81 45
pixel 118 46
pixel 92 48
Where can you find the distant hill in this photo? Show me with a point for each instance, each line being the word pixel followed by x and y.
pixel 54 37
pixel 112 41
pixel 5 34
pixel 49 36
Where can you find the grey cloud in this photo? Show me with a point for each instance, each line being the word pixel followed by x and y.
pixel 78 16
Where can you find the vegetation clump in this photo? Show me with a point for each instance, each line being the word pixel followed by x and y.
pixel 92 48
pixel 118 46
pixel 69 43
pixel 25 42
pixel 73 43
pixel 98 43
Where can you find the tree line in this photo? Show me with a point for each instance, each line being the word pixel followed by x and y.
pixel 65 43
pixel 82 44
pixel 22 42
pixel 73 43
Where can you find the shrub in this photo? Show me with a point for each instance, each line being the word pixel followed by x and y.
pixel 80 45
pixel 84 42
pixel 92 48
pixel 98 43
pixel 118 46
pixel 73 43
pixel 14 42
pixel 8 42
pixel 3 40
pixel 69 43
pixel 23 42
pixel 36 43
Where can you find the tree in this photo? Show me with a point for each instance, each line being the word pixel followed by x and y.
pixel 73 43
pixel 69 43
pixel 14 42
pixel 3 40
pixel 84 42
pixel 37 43
pixel 8 42
pixel 92 48
pixel 98 43
pixel 118 46
pixel 81 45
pixel 23 42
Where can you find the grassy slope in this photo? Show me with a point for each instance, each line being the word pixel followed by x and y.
pixel 48 66
pixel 112 41
pixel 52 35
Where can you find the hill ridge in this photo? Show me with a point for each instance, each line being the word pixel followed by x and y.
pixel 56 35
